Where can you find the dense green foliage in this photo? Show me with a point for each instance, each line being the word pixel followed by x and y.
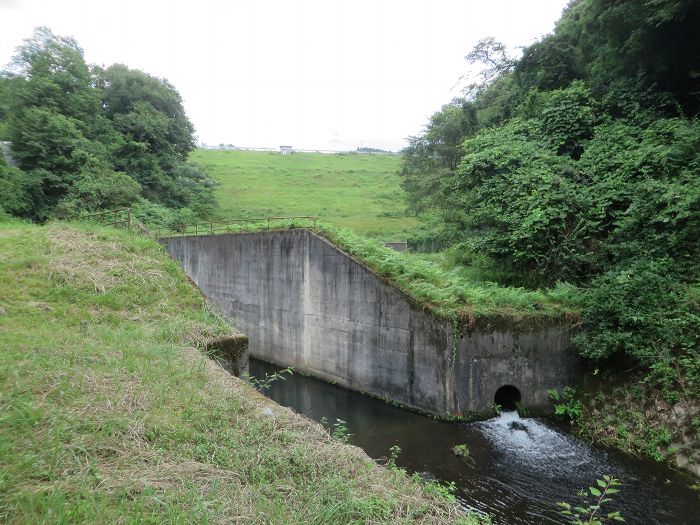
pixel 580 162
pixel 87 138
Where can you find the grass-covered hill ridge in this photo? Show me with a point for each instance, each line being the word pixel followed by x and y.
pixel 110 414
pixel 360 192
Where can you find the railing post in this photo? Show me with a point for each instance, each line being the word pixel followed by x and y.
pixel 268 223
pixel 195 229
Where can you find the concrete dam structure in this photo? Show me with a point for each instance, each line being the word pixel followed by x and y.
pixel 305 303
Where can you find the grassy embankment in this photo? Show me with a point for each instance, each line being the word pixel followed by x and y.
pixel 110 414
pixel 450 291
pixel 360 192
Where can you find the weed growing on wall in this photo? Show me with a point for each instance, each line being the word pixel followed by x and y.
pixel 567 404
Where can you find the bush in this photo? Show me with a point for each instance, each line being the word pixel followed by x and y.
pixel 568 118
pixel 18 190
pixel 522 204
pixel 195 189
pixel 152 214
pixel 642 311
pixel 99 189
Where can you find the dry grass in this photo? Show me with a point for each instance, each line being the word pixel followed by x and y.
pixel 81 258
pixel 110 414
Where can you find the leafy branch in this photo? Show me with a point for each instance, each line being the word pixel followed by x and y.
pixel 590 511
pixel 266 382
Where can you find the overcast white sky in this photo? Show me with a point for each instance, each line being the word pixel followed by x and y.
pixel 315 74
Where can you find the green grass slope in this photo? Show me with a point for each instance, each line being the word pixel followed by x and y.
pixel 360 192
pixel 110 414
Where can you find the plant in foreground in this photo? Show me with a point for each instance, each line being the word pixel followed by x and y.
pixel 266 382
pixel 444 491
pixel 394 453
pixel 590 511
pixel 521 409
pixel 567 405
pixel 341 432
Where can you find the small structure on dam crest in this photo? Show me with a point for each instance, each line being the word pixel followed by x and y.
pixel 305 303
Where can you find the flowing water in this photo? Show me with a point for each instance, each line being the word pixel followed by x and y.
pixel 518 469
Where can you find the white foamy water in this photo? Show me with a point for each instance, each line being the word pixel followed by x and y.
pixel 536 444
pixel 518 468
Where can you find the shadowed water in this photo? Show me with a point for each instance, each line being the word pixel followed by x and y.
pixel 518 469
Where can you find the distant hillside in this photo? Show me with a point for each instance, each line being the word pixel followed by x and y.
pixel 360 192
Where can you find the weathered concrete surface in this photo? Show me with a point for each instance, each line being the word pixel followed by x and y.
pixel 532 358
pixel 304 303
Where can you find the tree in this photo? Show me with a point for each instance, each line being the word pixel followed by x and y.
pixel 519 203
pixel 148 110
pixel 435 154
pixel 493 55
pixel 552 63
pixel 155 138
pixel 87 138
pixel 54 76
pixel 51 105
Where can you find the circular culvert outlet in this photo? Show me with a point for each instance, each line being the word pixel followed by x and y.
pixel 507 397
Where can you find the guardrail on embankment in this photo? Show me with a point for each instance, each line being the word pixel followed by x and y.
pixel 123 217
pixel 235 225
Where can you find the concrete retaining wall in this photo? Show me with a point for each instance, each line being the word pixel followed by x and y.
pixel 304 303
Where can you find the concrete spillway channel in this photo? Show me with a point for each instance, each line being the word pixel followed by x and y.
pixel 305 303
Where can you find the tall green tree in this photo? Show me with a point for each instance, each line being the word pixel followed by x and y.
pixel 51 110
pixel 155 138
pixel 434 155
pixel 87 138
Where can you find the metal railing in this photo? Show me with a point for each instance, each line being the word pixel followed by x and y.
pixel 228 226
pixel 118 217
pixel 123 217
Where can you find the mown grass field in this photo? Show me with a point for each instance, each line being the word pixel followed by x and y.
pixel 360 192
pixel 109 412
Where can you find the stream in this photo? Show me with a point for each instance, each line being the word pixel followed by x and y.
pixel 518 468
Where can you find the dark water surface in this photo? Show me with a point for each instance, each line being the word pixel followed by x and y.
pixel 515 475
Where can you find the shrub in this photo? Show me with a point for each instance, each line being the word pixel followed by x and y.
pixel 643 311
pixel 99 189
